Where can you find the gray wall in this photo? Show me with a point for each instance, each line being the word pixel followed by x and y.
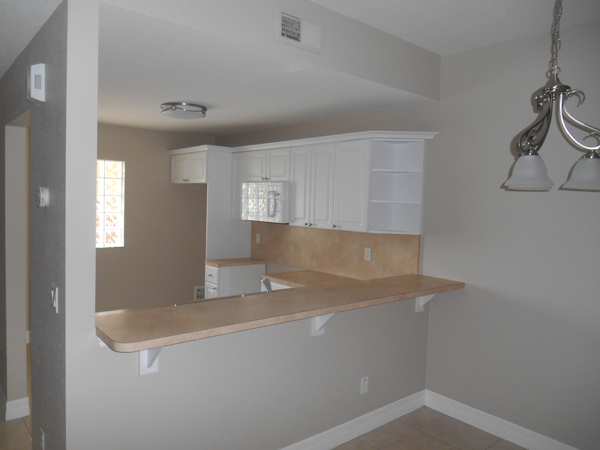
pixel 165 224
pixel 47 225
pixel 521 341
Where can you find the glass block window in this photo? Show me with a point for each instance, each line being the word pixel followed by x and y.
pixel 110 203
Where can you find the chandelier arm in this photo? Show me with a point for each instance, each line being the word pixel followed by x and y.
pixel 534 136
pixel 562 113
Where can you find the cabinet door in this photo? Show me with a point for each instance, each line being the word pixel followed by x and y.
pixel 301 185
pixel 211 290
pixel 255 166
pixel 237 177
pixel 323 171
pixel 351 186
pixel 178 164
pixel 278 164
pixel 197 167
pixel 188 168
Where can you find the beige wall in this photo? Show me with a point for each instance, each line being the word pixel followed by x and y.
pixel 17 259
pixel 165 224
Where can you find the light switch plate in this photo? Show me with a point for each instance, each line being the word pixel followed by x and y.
pixel 36 83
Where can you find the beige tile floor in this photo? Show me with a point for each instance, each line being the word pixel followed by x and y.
pixel 427 429
pixel 16 434
pixel 423 429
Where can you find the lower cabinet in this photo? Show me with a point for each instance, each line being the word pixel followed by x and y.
pixel 232 280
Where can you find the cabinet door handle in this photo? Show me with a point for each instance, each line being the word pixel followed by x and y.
pixel 210 275
pixel 334 226
pixel 186 180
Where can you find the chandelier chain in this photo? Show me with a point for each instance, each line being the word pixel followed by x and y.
pixel 554 69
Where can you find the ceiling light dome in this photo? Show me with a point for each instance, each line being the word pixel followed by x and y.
pixel 183 110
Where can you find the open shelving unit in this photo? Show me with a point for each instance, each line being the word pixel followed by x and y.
pixel 396 186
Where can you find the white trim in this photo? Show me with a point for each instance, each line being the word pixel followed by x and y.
pixel 395 135
pixel 492 424
pixel 15 409
pixel 508 431
pixel 347 431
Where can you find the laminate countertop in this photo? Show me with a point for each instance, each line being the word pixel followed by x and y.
pixel 231 262
pixel 306 278
pixel 137 329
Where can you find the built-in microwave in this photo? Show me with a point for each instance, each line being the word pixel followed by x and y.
pixel 266 201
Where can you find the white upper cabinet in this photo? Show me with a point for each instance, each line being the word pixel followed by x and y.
pixel 300 178
pixel 322 183
pixel 330 185
pixel 237 176
pixel 267 165
pixel 189 167
pixel 225 238
pixel 351 189
pixel 368 181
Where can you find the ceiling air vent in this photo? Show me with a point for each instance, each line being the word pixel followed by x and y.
pixel 291 27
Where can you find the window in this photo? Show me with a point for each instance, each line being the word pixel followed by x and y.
pixel 110 203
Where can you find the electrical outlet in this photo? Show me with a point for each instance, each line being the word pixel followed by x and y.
pixel 257 238
pixel 367 254
pixel 364 385
pixel 42 439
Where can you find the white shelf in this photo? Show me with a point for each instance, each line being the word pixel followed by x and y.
pixel 395 217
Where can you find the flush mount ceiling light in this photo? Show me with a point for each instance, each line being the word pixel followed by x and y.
pixel 183 110
pixel 529 172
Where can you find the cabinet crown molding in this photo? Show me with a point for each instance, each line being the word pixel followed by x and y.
pixel 406 136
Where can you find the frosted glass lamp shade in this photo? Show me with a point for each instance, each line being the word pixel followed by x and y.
pixel 529 174
pixel 585 175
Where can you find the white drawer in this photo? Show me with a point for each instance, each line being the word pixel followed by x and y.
pixel 211 274
pixel 211 290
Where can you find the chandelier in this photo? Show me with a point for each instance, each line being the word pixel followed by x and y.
pixel 529 172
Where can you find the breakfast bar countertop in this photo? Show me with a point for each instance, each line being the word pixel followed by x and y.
pixel 137 329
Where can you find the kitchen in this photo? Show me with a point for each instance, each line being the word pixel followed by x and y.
pixel 334 189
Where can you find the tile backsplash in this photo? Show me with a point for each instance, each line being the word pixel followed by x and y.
pixel 337 252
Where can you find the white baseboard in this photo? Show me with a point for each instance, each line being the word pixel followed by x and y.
pixel 15 409
pixel 347 431
pixel 499 427
pixel 492 424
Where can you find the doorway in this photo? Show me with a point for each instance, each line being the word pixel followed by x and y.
pixel 16 176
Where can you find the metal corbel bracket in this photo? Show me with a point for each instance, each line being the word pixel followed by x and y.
pixel 420 302
pixel 318 324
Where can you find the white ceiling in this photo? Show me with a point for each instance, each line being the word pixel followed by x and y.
pixel 140 68
pixel 452 26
